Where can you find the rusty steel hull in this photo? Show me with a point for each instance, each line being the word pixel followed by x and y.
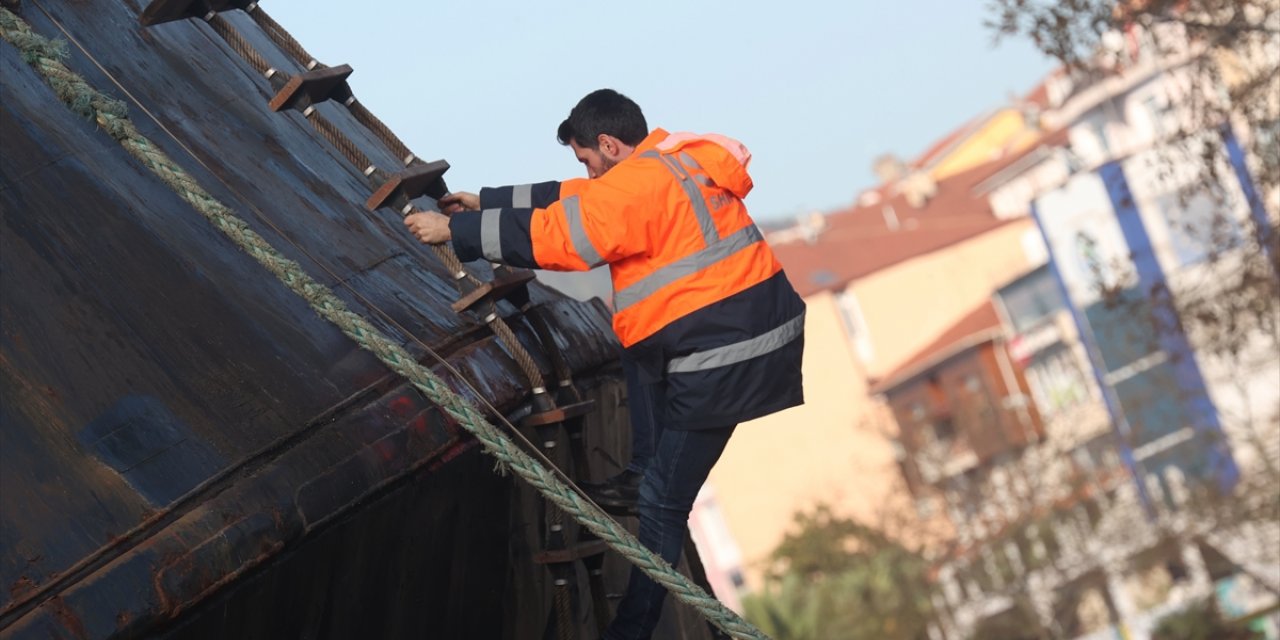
pixel 186 449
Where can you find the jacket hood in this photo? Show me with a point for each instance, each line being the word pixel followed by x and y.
pixel 724 159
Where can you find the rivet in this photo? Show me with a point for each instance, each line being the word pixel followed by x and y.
pixel 368 171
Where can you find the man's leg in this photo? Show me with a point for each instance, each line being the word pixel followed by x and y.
pixel 640 408
pixel 619 493
pixel 681 463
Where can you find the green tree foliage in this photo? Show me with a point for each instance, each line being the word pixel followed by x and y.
pixel 834 579
pixel 1202 621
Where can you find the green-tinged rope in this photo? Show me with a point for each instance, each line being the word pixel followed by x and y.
pixel 46 57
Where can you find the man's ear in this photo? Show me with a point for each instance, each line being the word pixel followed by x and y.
pixel 608 145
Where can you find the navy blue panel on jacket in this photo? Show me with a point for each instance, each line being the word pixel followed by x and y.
pixel 522 196
pixel 498 235
pixel 733 393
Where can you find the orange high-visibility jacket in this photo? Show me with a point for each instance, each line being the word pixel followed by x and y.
pixel 701 303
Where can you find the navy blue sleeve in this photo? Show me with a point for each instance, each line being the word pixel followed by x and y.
pixel 522 196
pixel 497 235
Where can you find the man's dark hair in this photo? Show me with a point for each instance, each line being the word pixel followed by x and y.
pixel 603 111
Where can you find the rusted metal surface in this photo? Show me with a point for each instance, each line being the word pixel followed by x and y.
pixel 186 449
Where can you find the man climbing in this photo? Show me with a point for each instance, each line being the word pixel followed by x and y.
pixel 711 329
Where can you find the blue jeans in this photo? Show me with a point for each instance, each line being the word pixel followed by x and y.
pixel 641 405
pixel 675 463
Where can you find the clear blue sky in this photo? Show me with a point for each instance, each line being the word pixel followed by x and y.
pixel 816 90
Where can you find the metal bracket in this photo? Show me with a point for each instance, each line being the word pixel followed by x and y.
pixel 501 287
pixel 424 179
pixel 160 11
pixel 559 414
pixel 314 87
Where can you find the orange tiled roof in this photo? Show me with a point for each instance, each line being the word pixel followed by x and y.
pixel 865 239
pixel 977 327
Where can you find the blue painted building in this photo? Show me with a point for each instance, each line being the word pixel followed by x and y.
pixel 1122 241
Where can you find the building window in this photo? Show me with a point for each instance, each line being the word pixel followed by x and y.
pixel 939 431
pixel 975 412
pixel 1199 226
pixel 1099 131
pixel 855 325
pixel 1056 381
pixel 1156 115
pixel 1098 263
pixel 1031 300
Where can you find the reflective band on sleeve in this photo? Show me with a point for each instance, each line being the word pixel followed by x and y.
pixel 522 196
pixel 491 234
pixel 691 263
pixel 760 345
pixel 578 233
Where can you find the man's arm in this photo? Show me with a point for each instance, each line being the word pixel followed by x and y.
pixel 522 196
pixel 431 227
pixel 600 223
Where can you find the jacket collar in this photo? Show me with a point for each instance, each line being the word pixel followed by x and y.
pixel 651 141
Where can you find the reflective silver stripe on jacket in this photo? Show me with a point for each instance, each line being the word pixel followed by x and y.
pixel 491 234
pixel 760 345
pixel 689 161
pixel 705 222
pixel 693 164
pixel 522 196
pixel 691 263
pixel 578 233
